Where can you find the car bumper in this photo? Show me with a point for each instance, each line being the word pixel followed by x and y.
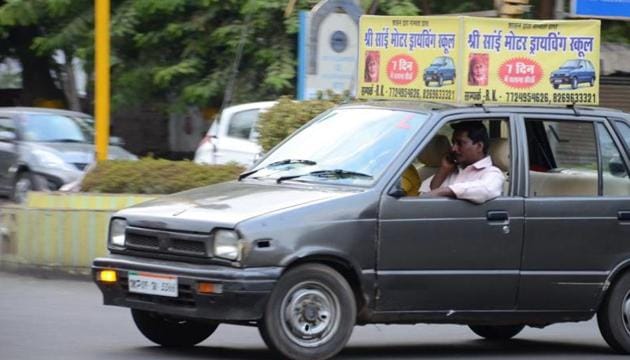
pixel 560 80
pixel 242 297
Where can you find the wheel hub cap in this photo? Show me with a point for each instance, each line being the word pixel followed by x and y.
pixel 626 312
pixel 310 315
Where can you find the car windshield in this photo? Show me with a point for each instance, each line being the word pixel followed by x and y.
pixel 351 146
pixel 56 128
pixel 439 62
pixel 570 64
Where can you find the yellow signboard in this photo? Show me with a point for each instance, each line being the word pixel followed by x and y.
pixel 479 60
pixel 409 57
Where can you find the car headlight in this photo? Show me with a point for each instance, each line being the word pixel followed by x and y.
pixel 227 244
pixel 117 232
pixel 48 159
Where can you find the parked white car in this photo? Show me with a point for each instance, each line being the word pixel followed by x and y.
pixel 233 137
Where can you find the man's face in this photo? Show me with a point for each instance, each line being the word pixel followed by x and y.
pixel 464 150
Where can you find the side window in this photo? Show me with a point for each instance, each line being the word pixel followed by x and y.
pixel 6 124
pixel 562 158
pixel 615 175
pixel 428 160
pixel 241 124
pixel 624 128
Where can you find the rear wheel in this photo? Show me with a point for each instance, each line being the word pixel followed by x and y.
pixel 613 316
pixel 310 314
pixel 497 332
pixel 170 331
pixel 556 86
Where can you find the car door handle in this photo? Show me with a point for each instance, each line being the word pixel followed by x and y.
pixel 497 216
pixel 623 215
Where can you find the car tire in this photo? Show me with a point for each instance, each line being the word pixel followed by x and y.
pixel 497 332
pixel 426 83
pixel 440 80
pixel 310 313
pixel 574 83
pixel 591 82
pixel 22 185
pixel 556 86
pixel 171 331
pixel 613 316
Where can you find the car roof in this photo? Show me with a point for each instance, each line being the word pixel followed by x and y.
pixel 37 110
pixel 433 107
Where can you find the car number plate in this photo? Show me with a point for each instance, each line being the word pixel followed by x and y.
pixel 153 284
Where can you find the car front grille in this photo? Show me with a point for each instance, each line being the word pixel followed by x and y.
pixel 168 242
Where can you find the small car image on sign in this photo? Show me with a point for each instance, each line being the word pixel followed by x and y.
pixel 573 72
pixel 442 69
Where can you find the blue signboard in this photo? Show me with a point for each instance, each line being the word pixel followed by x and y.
pixel 601 8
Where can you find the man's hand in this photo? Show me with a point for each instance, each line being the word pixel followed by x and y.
pixel 446 168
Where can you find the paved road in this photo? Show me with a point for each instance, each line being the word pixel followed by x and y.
pixel 64 319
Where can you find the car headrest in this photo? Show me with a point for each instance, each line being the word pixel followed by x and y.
pixel 434 152
pixel 499 151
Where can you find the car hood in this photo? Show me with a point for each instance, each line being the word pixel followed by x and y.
pixel 222 205
pixel 81 152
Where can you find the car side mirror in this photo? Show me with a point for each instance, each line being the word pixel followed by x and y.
pixel 7 136
pixel 116 141
pixel 617 169
pixel 397 191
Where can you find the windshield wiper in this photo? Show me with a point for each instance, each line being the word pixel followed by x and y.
pixel 335 174
pixel 278 163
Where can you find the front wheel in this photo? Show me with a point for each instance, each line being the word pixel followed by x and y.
pixel 613 316
pixel 23 184
pixel 497 332
pixel 440 80
pixel 574 83
pixel 310 314
pixel 169 331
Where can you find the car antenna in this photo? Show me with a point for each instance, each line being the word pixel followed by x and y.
pixel 483 106
pixel 574 108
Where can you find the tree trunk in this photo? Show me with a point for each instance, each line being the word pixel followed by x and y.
pixel 545 9
pixel 69 82
pixel 373 7
pixel 37 83
pixel 425 7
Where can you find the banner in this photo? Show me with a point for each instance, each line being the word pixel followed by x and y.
pixel 479 60
pixel 408 57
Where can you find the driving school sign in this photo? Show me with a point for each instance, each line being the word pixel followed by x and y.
pixel 479 60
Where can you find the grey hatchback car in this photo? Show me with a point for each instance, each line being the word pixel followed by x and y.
pixel 45 149
pixel 327 232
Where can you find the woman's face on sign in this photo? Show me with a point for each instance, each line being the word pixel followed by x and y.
pixel 479 72
pixel 372 69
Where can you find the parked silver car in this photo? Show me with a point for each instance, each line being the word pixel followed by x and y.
pixel 45 149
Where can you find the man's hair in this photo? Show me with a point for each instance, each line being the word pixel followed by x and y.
pixel 476 132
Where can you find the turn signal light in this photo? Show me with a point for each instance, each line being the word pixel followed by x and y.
pixel 107 276
pixel 209 288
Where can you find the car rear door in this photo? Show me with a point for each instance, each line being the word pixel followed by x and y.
pixel 448 254
pixel 578 212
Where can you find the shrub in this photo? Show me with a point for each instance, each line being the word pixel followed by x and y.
pixel 155 176
pixel 287 116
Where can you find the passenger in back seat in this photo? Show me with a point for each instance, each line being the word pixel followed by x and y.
pixel 467 171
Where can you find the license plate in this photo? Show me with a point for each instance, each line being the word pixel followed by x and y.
pixel 153 284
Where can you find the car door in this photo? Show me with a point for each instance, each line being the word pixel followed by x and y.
pixel 448 254
pixel 578 212
pixel 235 144
pixel 8 152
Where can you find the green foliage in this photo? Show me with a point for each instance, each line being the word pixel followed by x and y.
pixel 287 116
pixel 155 176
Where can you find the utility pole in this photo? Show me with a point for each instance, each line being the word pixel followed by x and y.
pixel 102 91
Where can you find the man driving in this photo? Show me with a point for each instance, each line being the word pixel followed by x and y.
pixel 466 172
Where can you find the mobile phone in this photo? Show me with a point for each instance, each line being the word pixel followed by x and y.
pixel 451 157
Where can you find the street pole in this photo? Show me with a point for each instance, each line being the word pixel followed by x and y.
pixel 102 90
